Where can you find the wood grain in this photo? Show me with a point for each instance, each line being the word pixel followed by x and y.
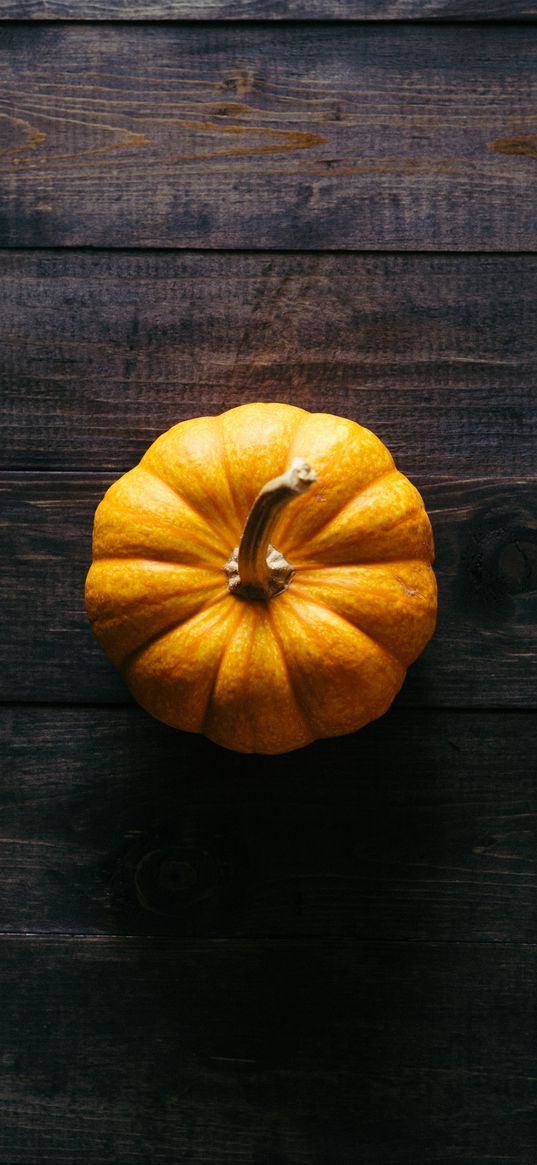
pixel 103 351
pixel 266 1052
pixel 482 655
pixel 105 10
pixel 379 136
pixel 324 957
pixel 421 826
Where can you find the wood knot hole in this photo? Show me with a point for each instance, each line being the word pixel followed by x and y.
pixel 167 880
pixel 517 567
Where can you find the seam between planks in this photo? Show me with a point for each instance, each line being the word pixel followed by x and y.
pixel 251 939
pixel 253 252
pixel 272 22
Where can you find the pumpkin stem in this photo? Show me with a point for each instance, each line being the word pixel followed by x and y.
pixel 256 570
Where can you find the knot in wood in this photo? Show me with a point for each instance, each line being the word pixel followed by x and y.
pixel 498 563
pixel 170 878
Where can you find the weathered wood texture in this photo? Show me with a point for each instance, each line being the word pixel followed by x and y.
pixel 423 829
pixel 267 10
pixel 267 1053
pixel 323 958
pixel 102 352
pixel 483 654
pixel 300 136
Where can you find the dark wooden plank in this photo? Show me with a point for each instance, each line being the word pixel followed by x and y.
pixel 393 136
pixel 267 1052
pixel 102 352
pixel 482 655
pixel 422 826
pixel 267 10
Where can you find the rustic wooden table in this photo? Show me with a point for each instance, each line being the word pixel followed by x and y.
pixel 326 958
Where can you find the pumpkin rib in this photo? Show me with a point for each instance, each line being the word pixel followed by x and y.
pixel 324 567
pixel 307 417
pixel 362 701
pixel 129 557
pixel 131 656
pixel 299 447
pixel 188 506
pixel 352 623
pixel 247 712
pixel 336 615
pixel 318 564
pixel 185 497
pixel 367 485
pixel 231 629
pixel 239 515
pixel 278 443
pixel 153 527
pixel 143 601
pixel 140 558
pixel 173 489
pixel 292 688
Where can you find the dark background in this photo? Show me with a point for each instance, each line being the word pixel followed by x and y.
pixel 326 958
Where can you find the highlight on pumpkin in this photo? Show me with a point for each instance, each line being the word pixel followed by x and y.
pixel 263 577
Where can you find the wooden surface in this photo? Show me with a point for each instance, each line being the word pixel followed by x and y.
pixel 106 10
pixel 425 830
pixel 417 347
pixel 326 958
pixel 404 136
pixel 230 1066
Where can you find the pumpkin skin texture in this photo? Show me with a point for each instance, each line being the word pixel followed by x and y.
pixel 321 658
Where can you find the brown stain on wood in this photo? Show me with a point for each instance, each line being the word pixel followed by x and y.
pixel 127 139
pixel 281 140
pixel 284 140
pixel 522 143
pixel 130 141
pixel 34 138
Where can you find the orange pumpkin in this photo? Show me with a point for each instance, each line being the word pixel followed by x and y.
pixel 307 629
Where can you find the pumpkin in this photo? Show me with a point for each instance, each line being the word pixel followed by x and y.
pixel 263 577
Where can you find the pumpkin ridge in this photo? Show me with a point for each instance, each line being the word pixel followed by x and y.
pixel 240 511
pixel 316 564
pixel 181 497
pixel 239 516
pixel 367 485
pixel 346 619
pixel 233 623
pixel 301 450
pixel 423 608
pixel 349 622
pixel 161 561
pixel 141 601
pixel 131 656
pixel 298 703
pixel 324 566
pixel 141 558
pixel 218 504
